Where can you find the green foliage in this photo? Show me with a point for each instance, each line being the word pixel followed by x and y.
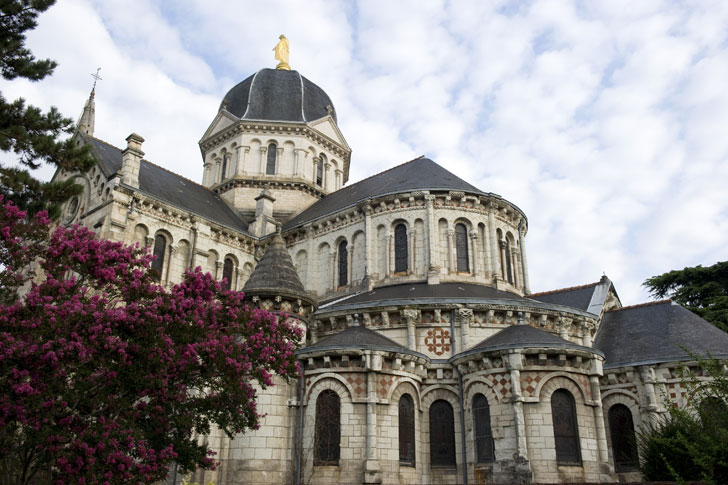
pixel 32 135
pixel 703 291
pixel 691 444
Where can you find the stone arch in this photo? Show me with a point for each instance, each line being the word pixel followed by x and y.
pixel 182 258
pixel 332 381
pixel 160 250
pixel 560 380
pixel 484 387
pixel 324 266
pixel 342 266
pixel 288 158
pixel 141 232
pixel 430 396
pixel 230 264
pixel 621 396
pixel 212 259
pixel 405 385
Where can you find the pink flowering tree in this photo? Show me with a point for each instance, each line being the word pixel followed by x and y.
pixel 105 377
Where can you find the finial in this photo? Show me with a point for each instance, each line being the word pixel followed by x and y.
pixel 281 53
pixel 96 78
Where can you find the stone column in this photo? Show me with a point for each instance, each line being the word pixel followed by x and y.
pixel 515 365
pixel 243 153
pixel 488 266
pixel 372 472
pixel 451 252
pixel 464 318
pixel 217 171
pixel 494 246
pixel 388 251
pixel 279 159
pixel 349 264
pixel 647 376
pixel 599 419
pixel 339 176
pixel 524 263
pixel 263 159
pixel 218 268
pixel 368 237
pixel 333 283
pixel 170 260
pixel 207 174
pixel 410 318
pixel 411 251
pixel 431 233
pixel 238 279
pixel 474 251
pixel 327 166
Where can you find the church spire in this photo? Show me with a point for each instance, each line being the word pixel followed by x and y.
pixel 88 117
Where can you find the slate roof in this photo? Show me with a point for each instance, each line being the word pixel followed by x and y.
pixel 275 274
pixel 169 187
pixel 654 333
pixel 360 338
pixel 277 95
pixel 575 297
pixel 523 336
pixel 418 174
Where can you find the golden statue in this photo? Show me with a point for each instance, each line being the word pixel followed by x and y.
pixel 281 52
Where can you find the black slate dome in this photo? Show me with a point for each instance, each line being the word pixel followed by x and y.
pixel 278 95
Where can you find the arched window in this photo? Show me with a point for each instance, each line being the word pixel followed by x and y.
pixel 270 166
pixel 227 273
pixel 400 249
pixel 483 434
pixel 461 247
pixel 160 248
pixel 343 263
pixel 406 430
pixel 327 433
pixel 566 432
pixel 320 170
pixel 624 441
pixel 442 435
pixel 509 265
pixel 223 169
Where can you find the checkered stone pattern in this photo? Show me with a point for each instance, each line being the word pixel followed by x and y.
pixel 358 383
pixel 529 383
pixel 500 383
pixel 384 384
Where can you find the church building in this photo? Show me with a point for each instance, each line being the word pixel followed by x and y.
pixel 427 358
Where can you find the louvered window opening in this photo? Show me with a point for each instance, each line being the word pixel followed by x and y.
pixel 343 264
pixel 270 166
pixel 160 247
pixel 624 440
pixel 327 434
pixel 442 435
pixel 566 433
pixel 406 430
pixel 400 249
pixel 223 171
pixel 483 433
pixel 227 273
pixel 461 248
pixel 320 173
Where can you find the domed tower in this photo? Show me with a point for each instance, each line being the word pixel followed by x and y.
pixel 275 131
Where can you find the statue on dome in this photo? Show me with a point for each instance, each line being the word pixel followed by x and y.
pixel 281 53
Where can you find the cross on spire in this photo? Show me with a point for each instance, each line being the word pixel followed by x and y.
pixel 96 78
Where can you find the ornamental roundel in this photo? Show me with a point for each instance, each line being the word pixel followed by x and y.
pixel 438 341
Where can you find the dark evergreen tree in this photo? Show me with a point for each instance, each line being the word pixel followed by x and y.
pixel 33 136
pixel 703 291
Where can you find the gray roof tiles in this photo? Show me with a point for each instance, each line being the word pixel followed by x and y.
pixel 575 297
pixel 415 175
pixel 275 273
pixel 277 95
pixel 523 336
pixel 169 187
pixel 656 332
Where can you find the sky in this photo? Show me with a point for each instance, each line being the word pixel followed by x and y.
pixel 606 122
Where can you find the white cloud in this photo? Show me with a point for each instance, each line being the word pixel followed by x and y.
pixel 604 121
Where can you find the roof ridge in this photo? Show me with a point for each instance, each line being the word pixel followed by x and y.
pixel 382 173
pixel 561 290
pixel 159 166
pixel 641 305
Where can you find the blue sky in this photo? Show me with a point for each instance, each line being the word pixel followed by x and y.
pixel 605 121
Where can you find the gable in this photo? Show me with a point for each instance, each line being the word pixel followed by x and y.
pixel 221 121
pixel 326 126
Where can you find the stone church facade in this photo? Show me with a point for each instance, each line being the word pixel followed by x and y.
pixel 427 358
